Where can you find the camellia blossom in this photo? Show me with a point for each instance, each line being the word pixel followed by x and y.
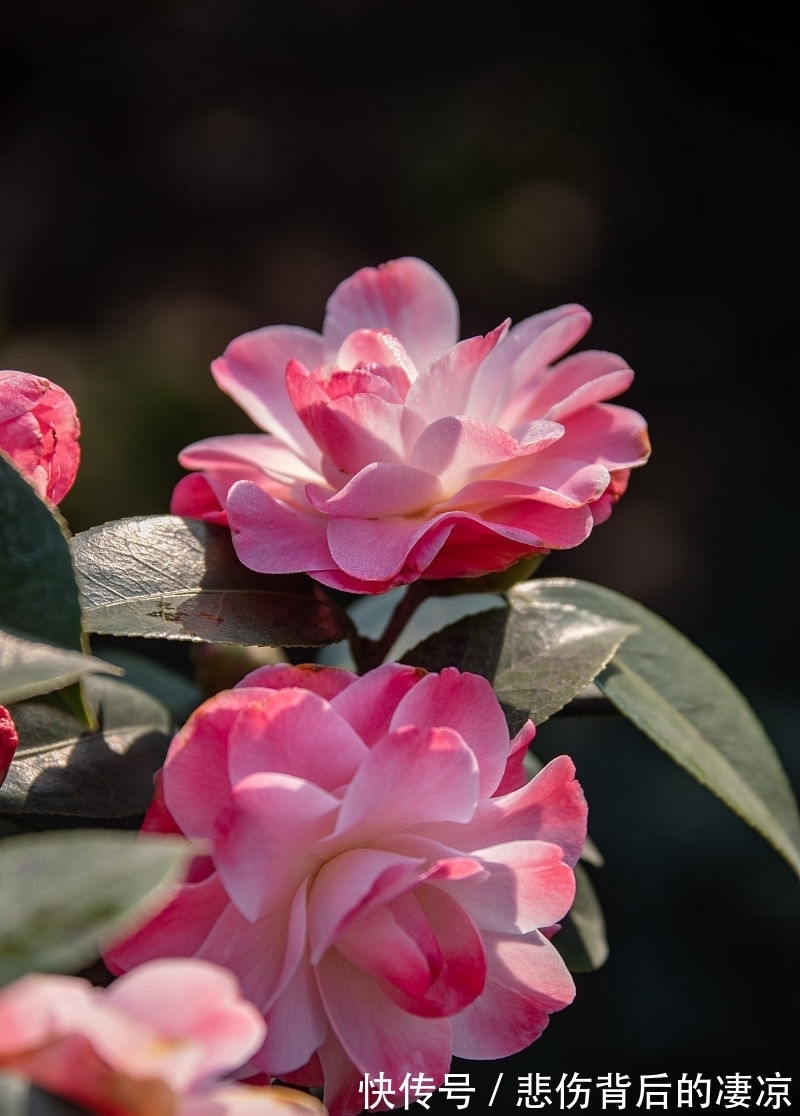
pixel 396 452
pixel 154 1043
pixel 374 868
pixel 39 431
pixel 9 741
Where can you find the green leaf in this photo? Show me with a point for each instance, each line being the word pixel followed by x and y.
pixel 178 694
pixel 174 578
pixel 582 941
pixel 20 1098
pixel 538 657
pixel 63 895
pixel 679 698
pixel 38 590
pixel 62 771
pixel 28 668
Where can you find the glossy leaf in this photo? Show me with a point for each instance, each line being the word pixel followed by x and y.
pixel 64 894
pixel 63 771
pixel 173 578
pixel 38 590
pixel 28 669
pixel 679 698
pixel 537 658
pixel 176 693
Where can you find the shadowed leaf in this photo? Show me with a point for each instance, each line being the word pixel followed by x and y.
pixel 28 668
pixel 679 698
pixel 61 770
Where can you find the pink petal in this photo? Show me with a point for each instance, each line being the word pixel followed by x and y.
pixel 381 489
pixel 252 371
pixel 328 682
pixel 604 434
pixel 444 389
pixel 526 981
pixel 195 777
pixel 526 886
pixel 192 1000
pixel 269 733
pixel 272 537
pixel 406 297
pixel 264 955
pixel 467 704
pixel 409 776
pixel 352 430
pixel 39 431
pixel 514 775
pixel 264 839
pixel 396 943
pixel 551 807
pixel 462 450
pixel 370 702
pixel 379 347
pixel 296 1024
pixel 9 740
pixel 380 550
pixel 255 457
pixel 194 497
pixel 526 351
pixel 569 386
pixel 351 884
pixel 376 1034
pixel 424 947
pixel 549 477
pixel 177 930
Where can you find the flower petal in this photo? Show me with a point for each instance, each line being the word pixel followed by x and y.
pixel 272 537
pixel 252 371
pixel 466 703
pixel 526 981
pixel 406 297
pixel 409 776
pixel 264 839
pixel 265 734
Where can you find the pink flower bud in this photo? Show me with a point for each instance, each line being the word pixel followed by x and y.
pixel 39 431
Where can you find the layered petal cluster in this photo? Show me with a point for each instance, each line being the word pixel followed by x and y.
pixel 39 431
pixel 155 1043
pixel 374 868
pixel 396 452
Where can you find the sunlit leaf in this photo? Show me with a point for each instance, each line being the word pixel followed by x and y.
pixel 538 658
pixel 28 668
pixel 63 894
pixel 62 770
pixel 679 698
pixel 173 578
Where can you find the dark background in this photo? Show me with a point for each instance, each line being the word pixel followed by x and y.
pixel 172 174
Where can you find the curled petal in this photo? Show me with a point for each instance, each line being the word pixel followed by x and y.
pixel 406 297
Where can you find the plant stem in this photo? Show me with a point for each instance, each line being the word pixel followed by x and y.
pixel 369 653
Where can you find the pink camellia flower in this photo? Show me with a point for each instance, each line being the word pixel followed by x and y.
pixel 374 868
pixel 396 452
pixel 39 431
pixel 155 1043
pixel 9 741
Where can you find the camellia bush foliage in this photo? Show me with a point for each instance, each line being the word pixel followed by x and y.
pixel 301 876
